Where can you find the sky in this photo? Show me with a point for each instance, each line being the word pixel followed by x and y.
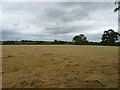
pixel 48 21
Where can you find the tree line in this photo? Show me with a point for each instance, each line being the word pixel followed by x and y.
pixel 109 37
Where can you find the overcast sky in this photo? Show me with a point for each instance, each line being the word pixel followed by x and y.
pixel 60 20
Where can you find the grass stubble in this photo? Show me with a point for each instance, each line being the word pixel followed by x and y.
pixel 59 66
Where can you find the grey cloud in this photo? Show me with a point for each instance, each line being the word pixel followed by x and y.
pixel 66 14
pixel 14 35
pixel 9 32
pixel 56 19
pixel 10 35
pixel 65 30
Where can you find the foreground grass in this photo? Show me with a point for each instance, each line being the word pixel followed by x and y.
pixel 55 66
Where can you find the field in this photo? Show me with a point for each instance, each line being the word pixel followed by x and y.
pixel 59 66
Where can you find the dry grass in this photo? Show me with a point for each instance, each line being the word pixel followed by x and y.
pixel 55 66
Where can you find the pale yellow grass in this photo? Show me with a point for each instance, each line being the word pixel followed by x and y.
pixel 59 66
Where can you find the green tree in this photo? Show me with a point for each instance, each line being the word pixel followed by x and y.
pixel 109 37
pixel 80 39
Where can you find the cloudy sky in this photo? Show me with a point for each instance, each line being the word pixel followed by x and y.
pixel 57 20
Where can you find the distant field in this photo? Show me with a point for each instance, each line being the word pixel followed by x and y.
pixel 59 66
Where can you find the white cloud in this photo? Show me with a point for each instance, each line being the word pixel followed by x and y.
pixel 48 21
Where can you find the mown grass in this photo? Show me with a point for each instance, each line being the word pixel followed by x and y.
pixel 56 66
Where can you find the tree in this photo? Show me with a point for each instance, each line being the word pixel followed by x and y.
pixel 117 8
pixel 109 37
pixel 80 39
pixel 55 41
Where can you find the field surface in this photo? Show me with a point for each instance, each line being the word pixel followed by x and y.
pixel 59 66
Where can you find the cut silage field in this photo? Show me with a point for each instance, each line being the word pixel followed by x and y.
pixel 59 66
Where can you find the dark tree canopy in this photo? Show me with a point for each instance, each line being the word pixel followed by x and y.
pixel 110 36
pixel 80 39
pixel 117 8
